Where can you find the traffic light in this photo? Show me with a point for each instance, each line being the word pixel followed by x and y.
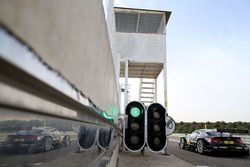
pixel 156 127
pixel 134 131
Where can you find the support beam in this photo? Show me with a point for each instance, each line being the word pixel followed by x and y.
pixel 155 95
pixel 126 84
pixel 138 20
pixel 165 85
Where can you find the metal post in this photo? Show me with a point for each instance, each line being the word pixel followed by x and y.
pixel 155 93
pixel 139 96
pixel 165 99
pixel 126 85
pixel 165 85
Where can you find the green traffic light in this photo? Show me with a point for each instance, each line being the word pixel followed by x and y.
pixel 135 112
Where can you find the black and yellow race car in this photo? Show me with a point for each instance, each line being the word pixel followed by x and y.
pixel 211 140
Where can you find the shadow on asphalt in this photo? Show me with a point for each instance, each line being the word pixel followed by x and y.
pixel 221 154
pixel 226 154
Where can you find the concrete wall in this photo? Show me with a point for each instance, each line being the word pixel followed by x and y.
pixel 70 36
pixel 108 6
pixel 109 16
pixel 140 47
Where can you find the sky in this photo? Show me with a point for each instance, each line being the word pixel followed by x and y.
pixel 208 58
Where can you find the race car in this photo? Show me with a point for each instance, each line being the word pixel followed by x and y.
pixel 36 139
pixel 211 140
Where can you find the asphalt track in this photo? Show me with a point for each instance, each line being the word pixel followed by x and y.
pixel 211 160
pixel 57 157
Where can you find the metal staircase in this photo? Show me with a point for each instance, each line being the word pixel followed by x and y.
pixel 147 93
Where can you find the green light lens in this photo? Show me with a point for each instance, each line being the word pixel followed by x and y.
pixel 135 112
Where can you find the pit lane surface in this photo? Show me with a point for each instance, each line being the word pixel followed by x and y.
pixel 211 160
pixel 22 158
pixel 61 157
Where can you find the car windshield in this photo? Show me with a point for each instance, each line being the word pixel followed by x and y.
pixel 218 134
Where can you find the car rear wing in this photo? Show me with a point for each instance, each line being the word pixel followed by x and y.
pixel 233 130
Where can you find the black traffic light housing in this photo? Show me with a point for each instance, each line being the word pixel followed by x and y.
pixel 134 128
pixel 156 127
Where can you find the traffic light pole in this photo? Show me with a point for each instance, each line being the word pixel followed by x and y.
pixel 156 87
pixel 165 86
pixel 165 100
pixel 165 152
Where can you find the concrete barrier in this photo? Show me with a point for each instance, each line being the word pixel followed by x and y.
pixel 72 38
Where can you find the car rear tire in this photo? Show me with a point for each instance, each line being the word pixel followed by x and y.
pixel 31 151
pixel 66 141
pixel 246 153
pixel 48 144
pixel 183 143
pixel 200 147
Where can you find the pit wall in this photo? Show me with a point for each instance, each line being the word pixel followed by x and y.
pixel 72 38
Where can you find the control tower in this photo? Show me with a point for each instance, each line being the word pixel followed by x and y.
pixel 140 44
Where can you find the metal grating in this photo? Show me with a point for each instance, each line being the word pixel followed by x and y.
pixel 139 22
pixel 150 23
pixel 126 22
